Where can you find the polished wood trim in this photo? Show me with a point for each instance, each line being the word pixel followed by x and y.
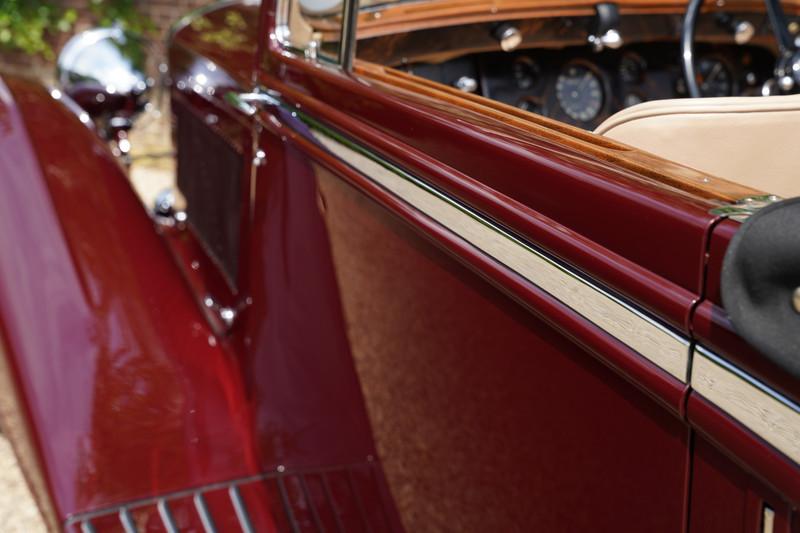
pixel 635 163
pixel 412 16
pixel 656 343
pixel 763 412
pixel 435 45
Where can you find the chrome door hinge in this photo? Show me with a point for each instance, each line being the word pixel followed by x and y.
pixel 248 103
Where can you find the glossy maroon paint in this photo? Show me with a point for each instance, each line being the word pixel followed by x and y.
pixel 574 240
pixel 455 324
pixel 752 454
pixel 396 376
pixel 712 327
pixel 443 355
pixel 291 336
pixel 283 284
pixel 726 499
pixel 129 393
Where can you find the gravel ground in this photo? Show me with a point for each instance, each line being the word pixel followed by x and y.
pixel 18 512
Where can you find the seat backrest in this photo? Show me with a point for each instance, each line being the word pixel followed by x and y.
pixel 749 140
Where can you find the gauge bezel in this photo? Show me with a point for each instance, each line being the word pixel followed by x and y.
pixel 605 87
pixel 729 67
pixel 641 66
pixel 534 67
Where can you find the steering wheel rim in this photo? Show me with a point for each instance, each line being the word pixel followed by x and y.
pixel 687 47
pixel 787 50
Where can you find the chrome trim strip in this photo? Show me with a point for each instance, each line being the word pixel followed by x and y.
pixel 166 516
pixel 767 520
pixel 287 507
pixel 162 501
pixel 205 515
pixel 126 520
pixel 632 327
pixel 283 35
pixel 87 527
pixel 240 509
pixel 764 411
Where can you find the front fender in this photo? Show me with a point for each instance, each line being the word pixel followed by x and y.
pixel 124 390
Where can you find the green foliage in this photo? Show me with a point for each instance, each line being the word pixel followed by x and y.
pixel 123 13
pixel 26 25
pixel 30 25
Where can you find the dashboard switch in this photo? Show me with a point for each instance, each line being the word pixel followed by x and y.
pixel 605 33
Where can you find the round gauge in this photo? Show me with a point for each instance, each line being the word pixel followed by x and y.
pixel 532 104
pixel 632 68
pixel 632 99
pixel 714 77
pixel 525 71
pixel 579 91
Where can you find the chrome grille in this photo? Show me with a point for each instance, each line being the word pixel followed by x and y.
pixel 341 499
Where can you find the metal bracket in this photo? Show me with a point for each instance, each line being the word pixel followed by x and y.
pixel 743 208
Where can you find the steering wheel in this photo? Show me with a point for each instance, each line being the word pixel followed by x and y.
pixel 787 66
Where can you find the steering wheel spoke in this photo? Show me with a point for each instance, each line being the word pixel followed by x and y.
pixel 787 65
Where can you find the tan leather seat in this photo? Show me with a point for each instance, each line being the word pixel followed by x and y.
pixel 754 141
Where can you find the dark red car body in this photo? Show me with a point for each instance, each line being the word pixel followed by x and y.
pixel 382 373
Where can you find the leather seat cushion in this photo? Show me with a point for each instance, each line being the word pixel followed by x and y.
pixel 749 140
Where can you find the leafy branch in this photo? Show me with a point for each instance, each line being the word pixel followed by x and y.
pixel 26 25
pixel 31 26
pixel 123 13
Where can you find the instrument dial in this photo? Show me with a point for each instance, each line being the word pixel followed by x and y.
pixel 714 78
pixel 579 91
pixel 532 104
pixel 632 68
pixel 525 71
pixel 632 99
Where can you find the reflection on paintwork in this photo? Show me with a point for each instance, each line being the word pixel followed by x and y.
pixel 229 35
pixel 126 393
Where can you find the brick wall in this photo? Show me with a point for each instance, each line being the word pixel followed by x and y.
pixel 162 12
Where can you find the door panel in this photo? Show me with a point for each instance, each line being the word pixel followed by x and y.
pixel 485 418
pixel 725 498
pixel 744 403
pixel 493 405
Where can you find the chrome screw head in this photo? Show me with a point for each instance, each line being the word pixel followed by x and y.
pixel 467 84
pixel 743 32
pixel 509 37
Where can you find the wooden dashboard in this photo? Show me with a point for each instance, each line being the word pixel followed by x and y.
pixel 401 17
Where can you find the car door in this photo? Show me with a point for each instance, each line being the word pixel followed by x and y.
pixel 516 301
pixel 743 408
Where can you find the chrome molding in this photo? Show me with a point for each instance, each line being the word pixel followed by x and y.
pixel 126 520
pixel 123 514
pixel 767 520
pixel 311 51
pixel 204 513
pixel 240 510
pixel 762 410
pixel 641 333
pixel 166 516
pixel 743 208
